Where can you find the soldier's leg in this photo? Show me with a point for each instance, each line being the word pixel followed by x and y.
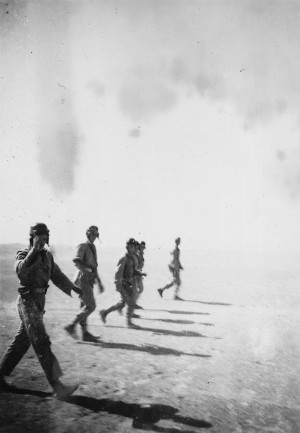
pixel 87 306
pixel 15 351
pixel 90 306
pixel 129 298
pixel 140 289
pixel 118 306
pixel 177 286
pixel 32 318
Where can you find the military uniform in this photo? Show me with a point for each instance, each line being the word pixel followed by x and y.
pixel 35 270
pixel 174 267
pixel 86 258
pixel 124 281
pixel 141 262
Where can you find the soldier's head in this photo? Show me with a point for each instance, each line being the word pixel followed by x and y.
pixel 130 245
pixel 142 246
pixel 39 229
pixel 137 246
pixel 177 241
pixel 92 233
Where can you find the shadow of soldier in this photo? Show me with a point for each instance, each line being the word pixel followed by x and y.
pixel 143 416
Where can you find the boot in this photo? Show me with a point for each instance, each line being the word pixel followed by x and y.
pixel 71 331
pixel 138 307
pixel 86 336
pixel 132 325
pixel 160 292
pixel 4 386
pixel 62 391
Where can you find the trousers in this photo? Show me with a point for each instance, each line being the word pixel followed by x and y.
pixel 87 306
pixel 31 332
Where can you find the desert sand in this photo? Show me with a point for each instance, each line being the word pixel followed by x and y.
pixel 226 359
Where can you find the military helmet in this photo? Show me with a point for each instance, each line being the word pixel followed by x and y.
pixel 131 241
pixel 38 229
pixel 92 230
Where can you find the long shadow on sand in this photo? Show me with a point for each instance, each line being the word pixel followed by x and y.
pixel 153 350
pixel 166 332
pixel 178 312
pixel 144 416
pixel 179 322
pixel 207 303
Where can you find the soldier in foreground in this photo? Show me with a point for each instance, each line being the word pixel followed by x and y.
pixel 35 266
pixel 175 268
pixel 124 281
pixel 87 275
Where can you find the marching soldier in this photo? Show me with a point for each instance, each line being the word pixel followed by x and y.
pixel 87 275
pixel 124 281
pixel 139 280
pixel 175 268
pixel 35 266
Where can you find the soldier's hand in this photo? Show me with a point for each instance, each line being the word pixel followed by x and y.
pixel 88 270
pixel 101 287
pixel 77 290
pixel 144 274
pixel 38 243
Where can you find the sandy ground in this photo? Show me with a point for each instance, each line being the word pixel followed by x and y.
pixel 224 360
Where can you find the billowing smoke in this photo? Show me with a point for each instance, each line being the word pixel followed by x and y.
pixel 245 53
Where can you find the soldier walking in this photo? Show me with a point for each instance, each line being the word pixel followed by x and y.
pixel 139 280
pixel 87 275
pixel 175 268
pixel 35 266
pixel 124 281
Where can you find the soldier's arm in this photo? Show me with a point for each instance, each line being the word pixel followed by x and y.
pixel 119 273
pixel 62 281
pixel 24 260
pixel 137 273
pixel 100 284
pixel 79 259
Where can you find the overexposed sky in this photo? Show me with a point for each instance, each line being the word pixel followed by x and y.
pixel 152 119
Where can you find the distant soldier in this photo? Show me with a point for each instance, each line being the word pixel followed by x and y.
pixel 35 266
pixel 175 268
pixel 87 275
pixel 139 280
pixel 124 281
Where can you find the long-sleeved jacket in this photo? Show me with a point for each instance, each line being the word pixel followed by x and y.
pixel 126 270
pixel 36 269
pixel 86 258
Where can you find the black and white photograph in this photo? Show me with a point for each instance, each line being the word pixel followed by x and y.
pixel 150 216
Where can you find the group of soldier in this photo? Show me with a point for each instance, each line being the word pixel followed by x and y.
pixel 35 267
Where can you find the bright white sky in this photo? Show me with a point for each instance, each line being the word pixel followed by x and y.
pixel 152 119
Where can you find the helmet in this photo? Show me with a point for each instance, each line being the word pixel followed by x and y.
pixel 92 230
pixel 38 229
pixel 130 242
pixel 143 244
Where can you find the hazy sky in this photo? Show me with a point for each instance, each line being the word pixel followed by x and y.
pixel 152 119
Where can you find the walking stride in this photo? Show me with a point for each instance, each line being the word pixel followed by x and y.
pixel 175 268
pixel 35 267
pixel 87 275
pixel 124 281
